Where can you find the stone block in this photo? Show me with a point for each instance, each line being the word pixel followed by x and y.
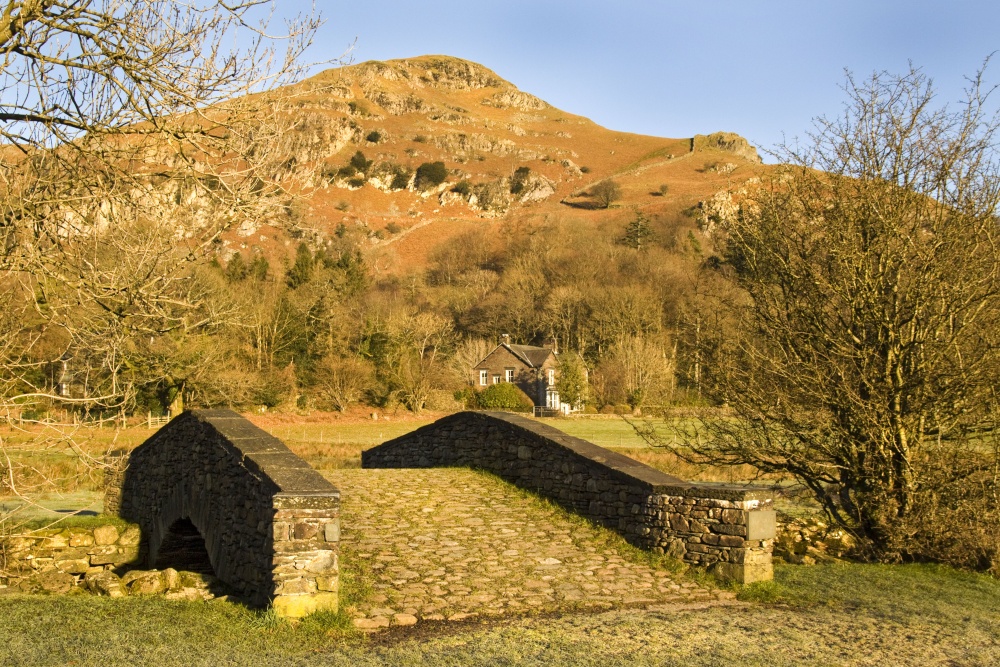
pixel 730 541
pixel 130 537
pixel 81 539
pixel 104 555
pixel 696 526
pixel 328 583
pixel 331 531
pixel 733 516
pixel 730 529
pixel 105 535
pixel 280 531
pixel 744 573
pixel 143 582
pixel 322 563
pixel 57 541
pixel 305 531
pixel 171 579
pixel 52 582
pixel 299 586
pixel 73 565
pixel 761 525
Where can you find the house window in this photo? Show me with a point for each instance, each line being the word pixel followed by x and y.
pixel 496 379
pixel 510 375
pixel 552 376
pixel 484 377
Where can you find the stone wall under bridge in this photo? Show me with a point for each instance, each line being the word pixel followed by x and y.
pixel 270 523
pixel 729 529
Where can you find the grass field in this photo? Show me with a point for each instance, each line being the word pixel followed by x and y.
pixel 819 615
pixel 53 469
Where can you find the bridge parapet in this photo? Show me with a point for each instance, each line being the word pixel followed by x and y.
pixel 270 523
pixel 729 529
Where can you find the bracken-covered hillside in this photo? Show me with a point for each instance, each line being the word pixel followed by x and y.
pixel 508 156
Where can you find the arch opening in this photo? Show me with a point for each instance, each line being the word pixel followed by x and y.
pixel 183 548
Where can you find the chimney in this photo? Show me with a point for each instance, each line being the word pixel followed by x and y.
pixel 505 339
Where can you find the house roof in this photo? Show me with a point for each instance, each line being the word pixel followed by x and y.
pixel 531 355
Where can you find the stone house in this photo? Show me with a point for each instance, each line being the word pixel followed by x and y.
pixel 532 369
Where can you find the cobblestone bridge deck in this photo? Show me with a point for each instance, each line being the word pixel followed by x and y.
pixel 447 544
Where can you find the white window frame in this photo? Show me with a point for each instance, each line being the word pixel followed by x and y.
pixel 552 376
pixel 484 377
pixel 509 374
pixel 496 379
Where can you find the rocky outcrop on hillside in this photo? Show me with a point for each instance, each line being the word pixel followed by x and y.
pixel 316 136
pixel 463 145
pixel 514 99
pixel 726 141
pixel 396 105
pixel 455 74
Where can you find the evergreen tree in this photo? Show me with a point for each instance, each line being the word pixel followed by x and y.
pixel 236 269
pixel 301 271
pixel 638 234
pixel 572 381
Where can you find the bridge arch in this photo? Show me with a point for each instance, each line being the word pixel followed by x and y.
pixel 269 523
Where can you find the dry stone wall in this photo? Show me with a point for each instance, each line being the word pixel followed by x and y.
pixel 729 529
pixel 270 523
pixel 78 551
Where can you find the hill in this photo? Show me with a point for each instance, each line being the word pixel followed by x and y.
pixel 508 156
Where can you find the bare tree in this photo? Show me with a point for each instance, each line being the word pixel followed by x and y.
pixel 468 353
pixel 606 193
pixel 639 371
pixel 341 381
pixel 863 352
pixel 133 133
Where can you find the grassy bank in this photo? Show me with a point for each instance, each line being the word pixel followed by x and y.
pixel 820 615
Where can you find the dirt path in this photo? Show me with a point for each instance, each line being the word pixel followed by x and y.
pixel 450 544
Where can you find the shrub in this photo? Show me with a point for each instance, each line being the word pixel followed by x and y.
pixel 393 228
pixel 505 396
pixel 420 139
pixel 360 162
pixel 584 170
pixel 275 388
pixel 400 178
pixel 463 188
pixel 519 179
pixel 347 171
pixel 430 174
pixel 329 173
pixel 356 182
pixel 374 136
pixel 663 189
pixel 467 397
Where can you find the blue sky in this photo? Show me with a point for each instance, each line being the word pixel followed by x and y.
pixel 674 69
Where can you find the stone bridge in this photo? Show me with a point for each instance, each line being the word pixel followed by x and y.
pixel 211 491
pixel 729 529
